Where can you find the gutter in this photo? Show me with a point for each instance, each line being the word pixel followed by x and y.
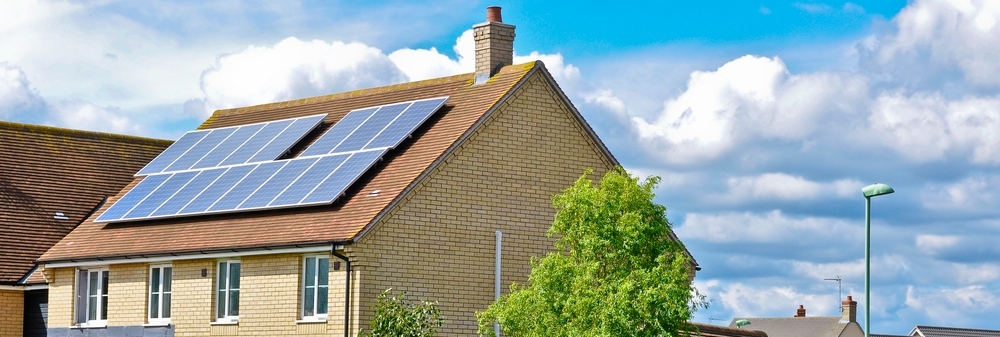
pixel 347 290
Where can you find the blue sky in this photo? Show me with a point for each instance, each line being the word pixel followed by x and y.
pixel 763 118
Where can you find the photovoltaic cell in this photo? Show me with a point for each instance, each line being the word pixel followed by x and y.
pixel 162 193
pixel 230 145
pixel 345 175
pixel 172 152
pixel 255 143
pixel 404 125
pixel 288 138
pixel 198 151
pixel 191 190
pixel 371 128
pixel 278 183
pixel 338 132
pixel 133 197
pixel 218 188
pixel 247 186
pixel 309 180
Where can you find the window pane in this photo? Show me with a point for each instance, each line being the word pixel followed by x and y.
pixel 321 300
pixel 324 272
pixel 310 278
pixel 309 303
pixel 166 306
pixel 154 305
pixel 221 300
pixel 234 302
pixel 167 277
pixel 223 270
pixel 234 276
pixel 154 280
pixel 94 289
pixel 104 295
pixel 220 311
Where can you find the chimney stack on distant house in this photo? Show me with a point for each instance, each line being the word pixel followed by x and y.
pixel 849 310
pixel 801 312
pixel 494 44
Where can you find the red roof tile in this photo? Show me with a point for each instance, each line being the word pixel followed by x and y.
pixel 45 170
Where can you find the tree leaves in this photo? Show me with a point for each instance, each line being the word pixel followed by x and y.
pixel 616 270
pixel 397 317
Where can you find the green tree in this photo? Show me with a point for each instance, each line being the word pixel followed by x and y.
pixel 397 317
pixel 616 270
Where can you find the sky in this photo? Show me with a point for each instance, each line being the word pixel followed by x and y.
pixel 763 118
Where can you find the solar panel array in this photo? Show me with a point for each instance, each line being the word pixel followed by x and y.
pixel 232 146
pixel 232 177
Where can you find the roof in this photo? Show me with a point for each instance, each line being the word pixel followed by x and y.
pixel 796 326
pixel 710 330
pixel 45 170
pixel 340 222
pixel 937 331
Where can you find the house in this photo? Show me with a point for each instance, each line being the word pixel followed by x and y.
pixel 939 331
pixel 449 208
pixel 846 325
pixel 710 330
pixel 51 179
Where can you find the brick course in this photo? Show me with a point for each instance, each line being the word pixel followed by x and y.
pixel 11 312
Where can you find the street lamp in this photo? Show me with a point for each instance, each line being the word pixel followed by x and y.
pixel 870 191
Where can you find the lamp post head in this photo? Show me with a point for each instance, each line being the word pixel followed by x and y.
pixel 876 189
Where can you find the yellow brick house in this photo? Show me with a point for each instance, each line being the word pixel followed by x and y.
pixel 452 213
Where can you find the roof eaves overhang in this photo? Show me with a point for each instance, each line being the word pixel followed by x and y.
pixel 306 247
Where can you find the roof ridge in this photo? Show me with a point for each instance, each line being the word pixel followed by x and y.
pixel 55 130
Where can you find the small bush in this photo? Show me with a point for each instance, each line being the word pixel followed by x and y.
pixel 397 317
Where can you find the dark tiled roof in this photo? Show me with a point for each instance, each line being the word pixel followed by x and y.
pixel 339 222
pixel 44 170
pixel 937 331
pixel 709 330
pixel 796 326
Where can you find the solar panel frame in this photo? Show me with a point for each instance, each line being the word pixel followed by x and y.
pixel 257 142
pixel 339 132
pixel 167 157
pixel 371 128
pixel 128 201
pixel 357 165
pixel 420 110
pixel 293 134
pixel 186 194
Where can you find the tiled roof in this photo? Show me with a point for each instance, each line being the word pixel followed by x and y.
pixel 709 330
pixel 796 326
pixel 339 222
pixel 45 170
pixel 938 331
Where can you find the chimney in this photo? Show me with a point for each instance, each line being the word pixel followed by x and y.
pixel 849 310
pixel 801 312
pixel 494 44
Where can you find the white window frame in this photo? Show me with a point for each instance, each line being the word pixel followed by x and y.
pixel 164 290
pixel 83 294
pixel 223 301
pixel 315 288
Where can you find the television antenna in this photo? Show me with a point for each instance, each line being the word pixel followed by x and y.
pixel 840 288
pixel 710 319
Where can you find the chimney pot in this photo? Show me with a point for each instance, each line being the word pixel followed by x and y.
pixel 493 14
pixel 801 312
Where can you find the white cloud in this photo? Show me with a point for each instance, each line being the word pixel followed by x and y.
pixel 771 227
pixel 783 186
pixel 957 305
pixel 976 193
pixel 292 69
pixel 16 94
pixel 421 64
pixel 745 300
pixel 813 8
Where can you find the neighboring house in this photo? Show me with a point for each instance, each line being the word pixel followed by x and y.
pixel 801 326
pixel 709 330
pixel 51 179
pixel 468 192
pixel 940 331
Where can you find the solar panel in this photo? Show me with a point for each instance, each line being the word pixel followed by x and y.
pixel 339 132
pixel 173 152
pixel 234 169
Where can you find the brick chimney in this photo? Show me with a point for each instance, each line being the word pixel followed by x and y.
pixel 494 44
pixel 801 312
pixel 849 310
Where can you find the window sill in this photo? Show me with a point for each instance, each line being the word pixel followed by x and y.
pixel 90 325
pixel 155 324
pixel 224 323
pixel 311 321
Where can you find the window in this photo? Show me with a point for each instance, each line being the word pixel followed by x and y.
pixel 315 287
pixel 228 295
pixel 92 296
pixel 159 293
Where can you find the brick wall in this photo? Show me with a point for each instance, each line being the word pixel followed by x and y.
pixel 127 294
pixel 61 281
pixel 11 312
pixel 438 244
